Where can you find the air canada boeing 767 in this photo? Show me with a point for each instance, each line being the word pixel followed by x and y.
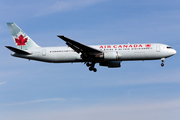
pixel 110 56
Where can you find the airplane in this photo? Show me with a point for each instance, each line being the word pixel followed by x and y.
pixel 109 56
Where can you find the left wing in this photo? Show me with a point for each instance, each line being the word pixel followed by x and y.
pixel 79 47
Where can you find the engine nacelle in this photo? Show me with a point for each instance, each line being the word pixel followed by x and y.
pixel 111 55
pixel 111 64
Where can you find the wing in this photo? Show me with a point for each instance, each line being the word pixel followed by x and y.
pixel 79 47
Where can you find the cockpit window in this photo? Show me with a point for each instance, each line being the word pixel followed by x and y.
pixel 168 47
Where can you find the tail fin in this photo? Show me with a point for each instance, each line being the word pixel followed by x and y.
pixel 21 39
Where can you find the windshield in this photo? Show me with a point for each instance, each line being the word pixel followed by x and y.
pixel 168 47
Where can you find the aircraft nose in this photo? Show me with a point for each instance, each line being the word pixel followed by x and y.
pixel 174 52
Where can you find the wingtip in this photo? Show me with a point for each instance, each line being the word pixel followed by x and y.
pixel 60 35
pixel 7 46
pixel 9 23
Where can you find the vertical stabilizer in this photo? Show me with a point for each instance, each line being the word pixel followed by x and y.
pixel 21 39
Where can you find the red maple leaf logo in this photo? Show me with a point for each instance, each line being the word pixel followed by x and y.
pixel 21 41
pixel 148 45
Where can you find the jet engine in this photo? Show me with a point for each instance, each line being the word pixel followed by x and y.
pixel 111 64
pixel 113 55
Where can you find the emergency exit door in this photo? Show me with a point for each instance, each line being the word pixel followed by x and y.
pixel 43 52
pixel 158 48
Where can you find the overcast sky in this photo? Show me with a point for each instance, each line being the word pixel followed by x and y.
pixel 31 90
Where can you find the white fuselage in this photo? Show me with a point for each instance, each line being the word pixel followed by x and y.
pixel 120 52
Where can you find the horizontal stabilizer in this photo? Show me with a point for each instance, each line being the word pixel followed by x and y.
pixel 18 51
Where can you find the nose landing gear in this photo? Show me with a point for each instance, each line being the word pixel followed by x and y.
pixel 91 66
pixel 162 59
pixel 162 64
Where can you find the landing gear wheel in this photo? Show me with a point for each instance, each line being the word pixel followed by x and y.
pixel 162 59
pixel 87 64
pixel 90 69
pixel 91 66
pixel 162 64
pixel 95 70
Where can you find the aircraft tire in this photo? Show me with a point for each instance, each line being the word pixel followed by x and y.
pixel 162 64
pixel 90 69
pixel 88 65
pixel 95 70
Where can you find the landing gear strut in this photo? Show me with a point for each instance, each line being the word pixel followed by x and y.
pixel 91 66
pixel 162 59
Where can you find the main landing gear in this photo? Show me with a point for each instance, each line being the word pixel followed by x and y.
pixel 162 59
pixel 91 66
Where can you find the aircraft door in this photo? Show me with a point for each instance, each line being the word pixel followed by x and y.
pixel 158 48
pixel 44 52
